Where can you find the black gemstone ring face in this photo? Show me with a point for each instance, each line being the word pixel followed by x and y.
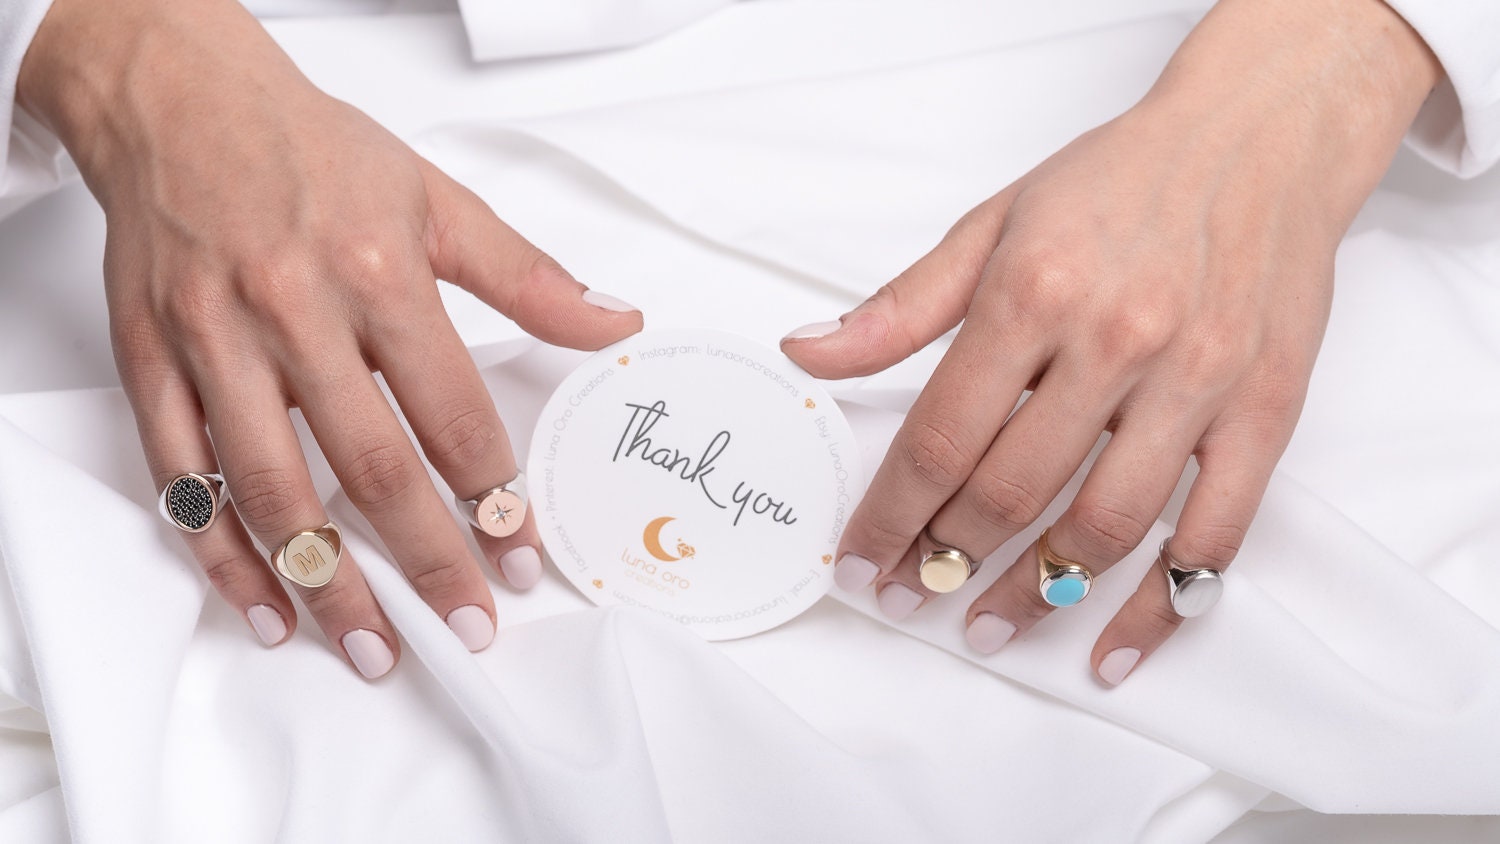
pixel 191 503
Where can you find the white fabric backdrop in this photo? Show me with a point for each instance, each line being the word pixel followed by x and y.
pixel 789 173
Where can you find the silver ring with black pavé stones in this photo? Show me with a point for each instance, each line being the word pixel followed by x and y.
pixel 191 502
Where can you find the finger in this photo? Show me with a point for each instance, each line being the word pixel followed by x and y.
pixel 948 429
pixel 444 399
pixel 274 497
pixel 381 473
pixel 915 308
pixel 1030 461
pixel 1232 478
pixel 471 247
pixel 1119 501
pixel 170 422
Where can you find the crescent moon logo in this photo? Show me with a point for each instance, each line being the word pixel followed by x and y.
pixel 652 539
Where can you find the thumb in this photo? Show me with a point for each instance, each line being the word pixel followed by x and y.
pixel 912 310
pixel 471 247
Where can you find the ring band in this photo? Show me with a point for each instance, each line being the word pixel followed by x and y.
pixel 498 511
pixel 1192 592
pixel 943 568
pixel 1063 582
pixel 310 557
pixel 191 502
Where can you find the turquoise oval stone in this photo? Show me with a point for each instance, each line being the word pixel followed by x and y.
pixel 1065 593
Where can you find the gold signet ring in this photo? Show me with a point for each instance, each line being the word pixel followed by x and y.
pixel 943 568
pixel 310 557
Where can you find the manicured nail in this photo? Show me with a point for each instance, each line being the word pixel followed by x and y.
pixel 853 572
pixel 267 624
pixel 815 330
pixel 607 302
pixel 368 652
pixel 897 601
pixel 472 625
pixel 1116 665
pixel 521 566
pixel 988 632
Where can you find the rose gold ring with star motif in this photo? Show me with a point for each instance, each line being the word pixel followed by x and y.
pixel 498 511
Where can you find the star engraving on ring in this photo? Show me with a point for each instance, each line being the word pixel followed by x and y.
pixel 501 515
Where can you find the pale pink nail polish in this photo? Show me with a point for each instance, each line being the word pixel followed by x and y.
pixel 368 652
pixel 608 302
pixel 267 624
pixel 1116 665
pixel 853 572
pixel 815 330
pixel 988 632
pixel 897 601
pixel 521 566
pixel 472 625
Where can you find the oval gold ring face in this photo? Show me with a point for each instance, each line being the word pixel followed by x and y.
pixel 500 513
pixel 308 559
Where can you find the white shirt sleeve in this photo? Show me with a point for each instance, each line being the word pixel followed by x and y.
pixel 508 29
pixel 32 162
pixel 1459 127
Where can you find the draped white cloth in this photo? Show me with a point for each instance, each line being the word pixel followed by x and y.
pixel 760 169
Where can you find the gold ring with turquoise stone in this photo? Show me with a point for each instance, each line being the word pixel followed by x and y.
pixel 1062 582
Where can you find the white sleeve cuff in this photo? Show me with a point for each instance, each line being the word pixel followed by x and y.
pixel 510 30
pixel 32 161
pixel 1459 127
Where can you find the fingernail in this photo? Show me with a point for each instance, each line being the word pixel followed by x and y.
pixel 1116 665
pixel 368 652
pixel 814 330
pixel 521 566
pixel 988 632
pixel 853 572
pixel 472 625
pixel 267 624
pixel 608 302
pixel 897 601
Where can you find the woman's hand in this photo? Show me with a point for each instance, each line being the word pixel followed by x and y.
pixel 1166 278
pixel 269 247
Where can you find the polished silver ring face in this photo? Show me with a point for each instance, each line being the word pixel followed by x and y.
pixel 498 511
pixel 1192 592
pixel 191 502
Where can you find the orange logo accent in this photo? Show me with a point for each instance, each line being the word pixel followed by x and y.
pixel 827 559
pixel 685 550
pixel 598 584
pixel 624 360
pixel 810 404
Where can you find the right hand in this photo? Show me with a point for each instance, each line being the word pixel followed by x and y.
pixel 269 247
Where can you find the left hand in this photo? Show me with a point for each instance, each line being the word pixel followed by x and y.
pixel 1165 278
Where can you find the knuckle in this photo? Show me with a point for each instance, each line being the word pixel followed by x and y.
pixel 438 578
pixel 1006 503
pixel 1211 545
pixel 268 283
pixel 1138 333
pixel 1160 620
pixel 880 538
pixel 265 499
pixel 228 574
pixel 463 440
pixel 934 455
pixel 1043 280
pixel 378 474
pixel 1108 530
pixel 335 598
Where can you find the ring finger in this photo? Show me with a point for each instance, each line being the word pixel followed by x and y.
pixel 1125 491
